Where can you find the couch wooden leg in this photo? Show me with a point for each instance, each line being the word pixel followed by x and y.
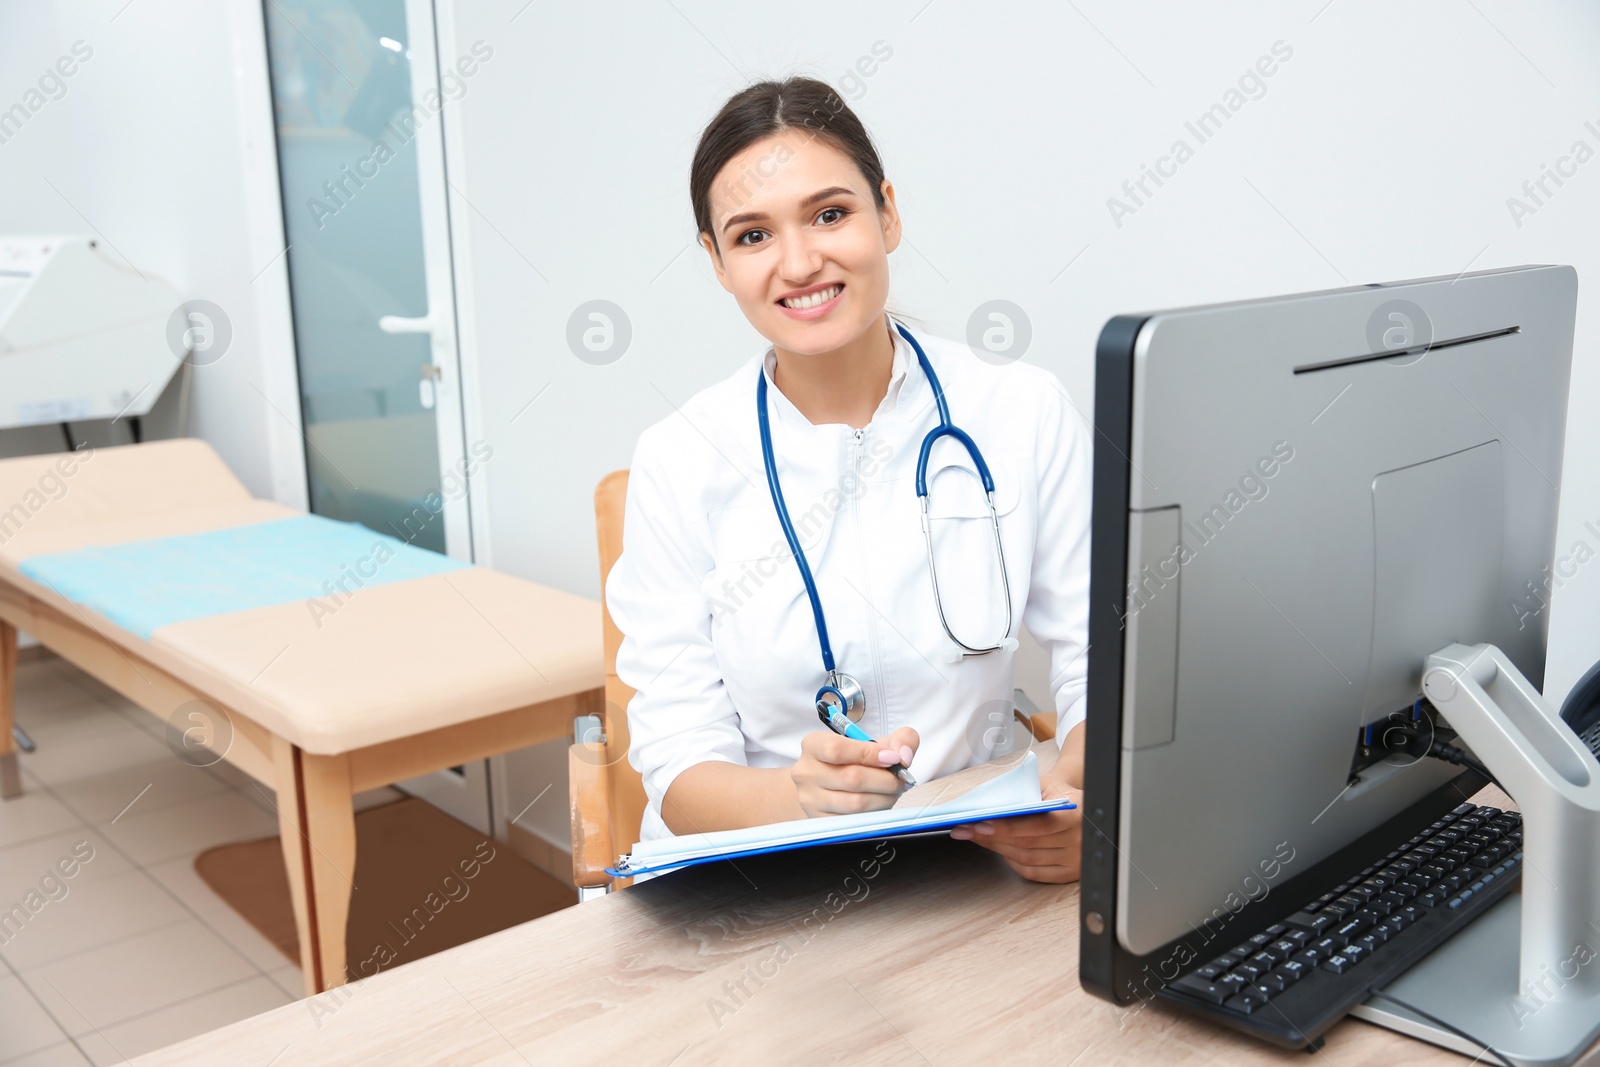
pixel 316 824
pixel 10 774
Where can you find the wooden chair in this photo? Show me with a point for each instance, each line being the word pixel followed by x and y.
pixel 605 792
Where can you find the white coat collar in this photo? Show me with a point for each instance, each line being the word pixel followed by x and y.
pixel 899 374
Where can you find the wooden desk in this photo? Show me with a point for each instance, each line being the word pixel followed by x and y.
pixel 933 952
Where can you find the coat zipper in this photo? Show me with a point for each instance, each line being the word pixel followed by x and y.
pixel 879 701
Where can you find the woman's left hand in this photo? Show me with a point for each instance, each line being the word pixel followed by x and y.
pixel 1046 847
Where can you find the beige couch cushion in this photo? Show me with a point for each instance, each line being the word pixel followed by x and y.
pixel 390 661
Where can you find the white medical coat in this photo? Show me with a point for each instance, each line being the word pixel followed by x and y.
pixel 719 639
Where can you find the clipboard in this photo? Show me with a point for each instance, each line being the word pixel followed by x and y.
pixel 996 790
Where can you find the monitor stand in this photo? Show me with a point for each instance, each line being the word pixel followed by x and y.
pixel 1523 981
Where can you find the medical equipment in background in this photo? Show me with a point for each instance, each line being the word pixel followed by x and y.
pixel 841 689
pixel 83 335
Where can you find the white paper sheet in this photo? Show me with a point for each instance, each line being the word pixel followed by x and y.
pixel 987 791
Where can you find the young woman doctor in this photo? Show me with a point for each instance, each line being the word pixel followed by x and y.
pixel 722 641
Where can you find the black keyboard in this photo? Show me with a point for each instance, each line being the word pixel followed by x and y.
pixel 1293 980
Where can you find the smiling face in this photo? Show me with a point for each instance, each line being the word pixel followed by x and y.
pixel 803 247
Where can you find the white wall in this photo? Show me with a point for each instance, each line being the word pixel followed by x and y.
pixel 1385 148
pixel 161 145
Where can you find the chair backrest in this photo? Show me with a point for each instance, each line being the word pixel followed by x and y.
pixel 624 787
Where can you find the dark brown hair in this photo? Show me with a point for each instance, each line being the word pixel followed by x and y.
pixel 770 107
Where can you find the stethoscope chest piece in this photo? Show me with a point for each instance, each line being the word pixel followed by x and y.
pixel 843 691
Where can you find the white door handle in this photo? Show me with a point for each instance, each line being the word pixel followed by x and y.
pixel 401 324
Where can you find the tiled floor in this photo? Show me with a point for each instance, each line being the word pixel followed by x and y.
pixel 132 951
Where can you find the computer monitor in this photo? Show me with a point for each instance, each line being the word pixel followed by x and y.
pixel 1296 500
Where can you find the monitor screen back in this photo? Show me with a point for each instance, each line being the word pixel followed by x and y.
pixel 1306 524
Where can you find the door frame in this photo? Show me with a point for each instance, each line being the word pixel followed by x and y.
pixel 467 347
pixel 438 258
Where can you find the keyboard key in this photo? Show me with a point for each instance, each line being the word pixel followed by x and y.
pixel 1395 923
pixel 1196 986
pixel 1210 972
pixel 1336 964
pixel 1329 946
pixel 1355 952
pixel 1462 809
pixel 1411 913
pixel 1283 948
pixel 1231 984
pixel 1277 929
pixel 1293 971
pixel 1264 961
pixel 1273 983
pixel 1249 972
pixel 1378 909
pixel 1310 958
pixel 1263 990
pixel 1246 1002
pixel 1432 897
pixel 1352 927
pixel 1298 938
pixel 1373 940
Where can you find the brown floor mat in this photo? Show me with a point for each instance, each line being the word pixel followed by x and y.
pixel 412 898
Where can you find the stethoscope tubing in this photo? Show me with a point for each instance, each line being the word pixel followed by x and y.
pixel 837 680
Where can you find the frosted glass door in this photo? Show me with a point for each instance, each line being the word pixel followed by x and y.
pixel 362 173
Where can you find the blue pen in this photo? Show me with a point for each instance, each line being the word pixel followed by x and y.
pixel 840 724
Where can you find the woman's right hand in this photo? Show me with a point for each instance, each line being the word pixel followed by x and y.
pixel 838 776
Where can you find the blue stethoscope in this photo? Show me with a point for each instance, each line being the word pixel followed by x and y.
pixel 841 690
